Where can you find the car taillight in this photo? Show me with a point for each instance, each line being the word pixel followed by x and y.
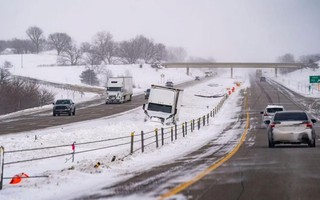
pixel 309 125
pixel 272 125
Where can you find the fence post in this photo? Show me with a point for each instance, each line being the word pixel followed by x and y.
pixel 171 133
pixel 142 142
pixel 132 138
pixel 1 165
pixel 186 125
pixel 203 120
pixel 162 136
pixel 182 129
pixel 175 131
pixel 156 133
pixel 193 124
pixel 208 119
pixel 199 123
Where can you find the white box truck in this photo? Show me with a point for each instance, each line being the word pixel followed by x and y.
pixel 119 90
pixel 163 105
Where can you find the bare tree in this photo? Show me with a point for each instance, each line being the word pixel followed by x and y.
pixel 177 54
pixel 59 41
pixel 90 56
pixel 310 60
pixel 71 56
pixel 36 36
pixel 286 58
pixel 3 45
pixel 104 46
pixel 160 53
pixel 21 46
pixel 18 94
pixel 131 51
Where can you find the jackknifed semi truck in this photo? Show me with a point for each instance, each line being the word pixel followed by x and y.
pixel 163 105
pixel 119 90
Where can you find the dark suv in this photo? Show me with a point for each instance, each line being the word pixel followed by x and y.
pixel 64 106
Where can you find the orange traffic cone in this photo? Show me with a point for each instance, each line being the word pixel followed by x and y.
pixel 17 178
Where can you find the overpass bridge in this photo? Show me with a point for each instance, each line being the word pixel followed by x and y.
pixel 231 65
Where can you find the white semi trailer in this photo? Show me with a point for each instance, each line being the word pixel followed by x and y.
pixel 119 90
pixel 164 104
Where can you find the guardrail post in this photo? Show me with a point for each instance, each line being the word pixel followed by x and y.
pixel 198 123
pixel 208 119
pixel 171 134
pixel 142 142
pixel 162 136
pixel 175 131
pixel 157 140
pixel 1 166
pixel 132 138
pixel 213 112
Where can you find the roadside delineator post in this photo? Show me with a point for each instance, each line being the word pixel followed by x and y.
pixel 73 146
pixel 1 165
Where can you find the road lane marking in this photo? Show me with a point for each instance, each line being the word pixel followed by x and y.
pixel 214 166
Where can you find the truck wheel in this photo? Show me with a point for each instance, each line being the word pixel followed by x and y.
pixel 69 113
pixel 74 112
pixel 130 98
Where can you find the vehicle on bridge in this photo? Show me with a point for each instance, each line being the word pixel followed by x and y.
pixel 169 84
pixel 163 105
pixel 64 106
pixel 291 127
pixel 119 90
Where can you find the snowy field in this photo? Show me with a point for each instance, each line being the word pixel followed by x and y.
pixel 65 179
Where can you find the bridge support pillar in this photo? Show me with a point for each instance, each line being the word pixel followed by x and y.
pixel 231 72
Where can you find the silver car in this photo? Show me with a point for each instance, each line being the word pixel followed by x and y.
pixel 269 112
pixel 294 127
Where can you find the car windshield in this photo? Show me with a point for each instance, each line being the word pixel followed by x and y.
pixel 114 89
pixel 273 110
pixel 63 102
pixel 159 107
pixel 292 116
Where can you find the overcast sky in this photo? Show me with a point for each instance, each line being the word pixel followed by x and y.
pixel 227 30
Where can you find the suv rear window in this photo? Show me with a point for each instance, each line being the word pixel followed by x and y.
pixel 273 110
pixel 290 116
